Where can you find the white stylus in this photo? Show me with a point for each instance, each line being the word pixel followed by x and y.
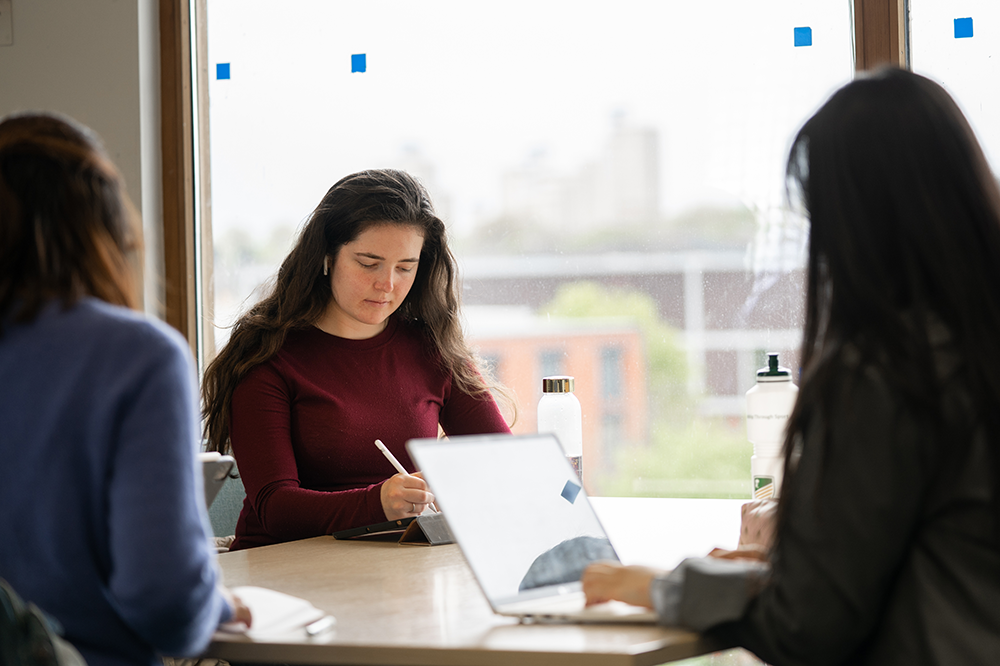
pixel 395 463
pixel 391 458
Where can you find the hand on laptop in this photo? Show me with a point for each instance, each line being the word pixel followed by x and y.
pixel 405 496
pixel 610 581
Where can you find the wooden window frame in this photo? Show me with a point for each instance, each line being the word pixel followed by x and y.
pixel 186 229
pixel 880 34
pixel 879 39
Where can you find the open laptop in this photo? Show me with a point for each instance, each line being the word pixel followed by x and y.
pixel 523 521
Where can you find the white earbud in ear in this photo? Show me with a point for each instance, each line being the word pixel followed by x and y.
pixel 326 265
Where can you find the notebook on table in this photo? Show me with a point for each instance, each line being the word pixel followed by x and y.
pixel 518 511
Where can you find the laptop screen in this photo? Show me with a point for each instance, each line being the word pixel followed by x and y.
pixel 516 509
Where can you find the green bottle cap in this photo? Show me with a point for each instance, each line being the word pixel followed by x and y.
pixel 773 369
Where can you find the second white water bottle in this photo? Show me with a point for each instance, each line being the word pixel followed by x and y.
pixel 559 412
pixel 769 404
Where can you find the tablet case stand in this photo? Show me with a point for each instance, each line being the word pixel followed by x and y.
pixel 427 530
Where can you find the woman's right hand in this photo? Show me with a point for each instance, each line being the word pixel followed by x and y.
pixel 404 496
pixel 612 581
pixel 241 612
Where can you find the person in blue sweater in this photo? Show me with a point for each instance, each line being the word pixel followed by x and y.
pixel 102 517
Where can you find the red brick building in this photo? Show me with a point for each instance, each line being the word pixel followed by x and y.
pixel 605 357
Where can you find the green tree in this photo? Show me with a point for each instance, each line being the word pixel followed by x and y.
pixel 687 455
pixel 666 362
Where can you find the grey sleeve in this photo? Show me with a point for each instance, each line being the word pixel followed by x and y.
pixel 705 591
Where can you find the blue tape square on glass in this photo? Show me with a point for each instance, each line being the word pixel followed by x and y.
pixel 358 63
pixel 222 70
pixel 963 27
pixel 803 36
pixel 570 491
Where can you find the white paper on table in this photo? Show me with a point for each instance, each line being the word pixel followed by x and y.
pixel 273 612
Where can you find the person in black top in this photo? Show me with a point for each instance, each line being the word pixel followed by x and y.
pixel 887 543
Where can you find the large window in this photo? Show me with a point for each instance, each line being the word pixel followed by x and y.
pixel 611 174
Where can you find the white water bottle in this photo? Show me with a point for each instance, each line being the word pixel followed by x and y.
pixel 559 413
pixel 769 404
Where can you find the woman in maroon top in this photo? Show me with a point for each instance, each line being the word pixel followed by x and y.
pixel 359 339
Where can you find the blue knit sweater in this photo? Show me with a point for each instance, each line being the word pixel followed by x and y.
pixel 102 516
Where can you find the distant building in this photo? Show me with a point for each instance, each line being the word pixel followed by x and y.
pixel 727 317
pixel 621 186
pixel 605 356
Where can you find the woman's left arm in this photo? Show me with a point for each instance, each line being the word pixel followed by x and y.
pixel 850 529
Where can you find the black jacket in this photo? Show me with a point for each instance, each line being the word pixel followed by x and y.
pixel 892 557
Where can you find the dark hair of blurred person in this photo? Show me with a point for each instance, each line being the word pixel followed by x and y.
pixel 68 229
pixel 887 544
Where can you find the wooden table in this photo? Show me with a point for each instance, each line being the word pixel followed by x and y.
pixel 420 605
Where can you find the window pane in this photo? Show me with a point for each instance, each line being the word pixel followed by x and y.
pixel 611 174
pixel 953 43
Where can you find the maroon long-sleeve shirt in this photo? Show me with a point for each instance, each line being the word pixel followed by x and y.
pixel 304 425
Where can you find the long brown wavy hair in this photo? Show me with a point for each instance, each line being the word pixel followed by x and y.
pixel 301 292
pixel 67 228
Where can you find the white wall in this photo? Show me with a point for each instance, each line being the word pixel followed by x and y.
pixel 98 62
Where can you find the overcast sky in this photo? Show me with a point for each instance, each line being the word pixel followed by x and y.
pixel 475 89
